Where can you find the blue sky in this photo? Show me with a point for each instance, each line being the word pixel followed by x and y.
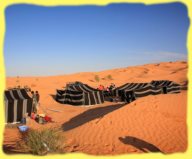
pixel 42 41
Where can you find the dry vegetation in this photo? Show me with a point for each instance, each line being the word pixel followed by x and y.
pixel 41 142
pixel 97 78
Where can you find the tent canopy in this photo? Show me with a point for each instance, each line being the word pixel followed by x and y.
pixel 79 94
pixel 130 91
pixel 17 104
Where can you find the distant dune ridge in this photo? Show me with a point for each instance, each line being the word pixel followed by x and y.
pixel 149 124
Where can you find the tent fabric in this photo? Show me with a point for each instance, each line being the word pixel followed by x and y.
pixel 161 83
pixel 17 103
pixel 131 91
pixel 71 97
pixel 148 90
pixel 79 94
pixel 167 86
pixel 128 87
pixel 141 90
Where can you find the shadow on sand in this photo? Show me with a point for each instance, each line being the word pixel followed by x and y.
pixel 9 149
pixel 53 96
pixel 89 115
pixel 139 144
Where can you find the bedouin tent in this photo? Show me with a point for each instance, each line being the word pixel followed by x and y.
pixel 149 89
pixel 167 86
pixel 17 103
pixel 126 91
pixel 131 91
pixel 79 94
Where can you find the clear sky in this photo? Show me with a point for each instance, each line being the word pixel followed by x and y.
pixel 69 39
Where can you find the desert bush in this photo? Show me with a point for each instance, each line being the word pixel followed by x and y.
pixel 109 77
pixel 41 142
pixel 97 79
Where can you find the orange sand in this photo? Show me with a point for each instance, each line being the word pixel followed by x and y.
pixel 152 123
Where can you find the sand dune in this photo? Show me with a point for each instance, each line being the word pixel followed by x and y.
pixel 149 124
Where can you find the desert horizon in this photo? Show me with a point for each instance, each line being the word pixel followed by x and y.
pixel 103 70
pixel 103 75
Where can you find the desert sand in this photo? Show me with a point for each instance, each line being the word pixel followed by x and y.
pixel 149 124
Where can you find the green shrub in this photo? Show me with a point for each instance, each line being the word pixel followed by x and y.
pixel 109 77
pixel 97 79
pixel 40 142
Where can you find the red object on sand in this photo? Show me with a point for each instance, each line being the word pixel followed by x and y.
pixel 101 87
pixel 33 116
pixel 47 118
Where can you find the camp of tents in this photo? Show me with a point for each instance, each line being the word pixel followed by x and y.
pixel 18 103
pixel 81 94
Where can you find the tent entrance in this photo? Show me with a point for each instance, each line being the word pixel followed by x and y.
pixel 129 96
pixel 164 90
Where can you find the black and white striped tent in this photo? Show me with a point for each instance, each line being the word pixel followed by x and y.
pixel 147 90
pixel 167 86
pixel 131 91
pixel 17 103
pixel 79 94
pixel 119 91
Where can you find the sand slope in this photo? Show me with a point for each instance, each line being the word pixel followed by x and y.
pixel 153 123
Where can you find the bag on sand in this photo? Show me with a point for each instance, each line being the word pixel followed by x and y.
pixel 48 119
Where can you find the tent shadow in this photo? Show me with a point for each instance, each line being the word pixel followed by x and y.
pixel 139 144
pixel 9 149
pixel 53 96
pixel 89 115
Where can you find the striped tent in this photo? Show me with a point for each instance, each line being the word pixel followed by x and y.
pixel 119 91
pixel 131 91
pixel 167 86
pixel 17 103
pixel 79 94
pixel 149 89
